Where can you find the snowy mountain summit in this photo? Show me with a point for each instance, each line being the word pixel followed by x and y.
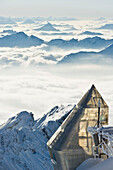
pixel 47 27
pixel 23 139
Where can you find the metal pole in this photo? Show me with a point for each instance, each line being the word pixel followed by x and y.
pixel 98 123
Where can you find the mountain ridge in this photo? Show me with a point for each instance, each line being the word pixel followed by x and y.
pixel 23 139
pixel 87 57
pixel 20 39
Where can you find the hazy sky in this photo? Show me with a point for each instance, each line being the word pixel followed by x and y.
pixel 70 8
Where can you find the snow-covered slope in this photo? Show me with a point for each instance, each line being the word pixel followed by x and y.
pixel 104 56
pixel 53 119
pixel 23 139
pixel 108 50
pixel 80 57
pixel 97 164
pixel 47 27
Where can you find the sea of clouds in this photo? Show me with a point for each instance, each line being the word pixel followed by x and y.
pixel 27 84
pixel 38 90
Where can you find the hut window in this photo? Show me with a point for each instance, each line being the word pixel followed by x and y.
pixel 103 117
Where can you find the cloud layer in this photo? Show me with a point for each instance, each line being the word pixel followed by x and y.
pixel 27 85
pixel 38 90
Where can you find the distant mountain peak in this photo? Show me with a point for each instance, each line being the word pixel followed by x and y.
pixel 28 21
pixel 22 33
pixel 49 24
pixel 90 33
pixel 20 39
pixel 101 19
pixel 107 26
pixel 47 27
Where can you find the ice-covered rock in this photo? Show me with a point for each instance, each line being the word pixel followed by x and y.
pixel 23 139
pixel 53 119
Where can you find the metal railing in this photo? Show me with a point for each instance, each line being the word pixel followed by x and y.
pixel 103 142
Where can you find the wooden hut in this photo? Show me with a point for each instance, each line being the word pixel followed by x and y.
pixel 71 144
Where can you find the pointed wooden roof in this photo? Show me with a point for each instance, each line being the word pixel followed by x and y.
pixel 91 99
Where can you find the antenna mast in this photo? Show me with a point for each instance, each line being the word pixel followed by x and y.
pixel 99 105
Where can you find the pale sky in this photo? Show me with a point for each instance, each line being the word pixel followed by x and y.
pixel 82 9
